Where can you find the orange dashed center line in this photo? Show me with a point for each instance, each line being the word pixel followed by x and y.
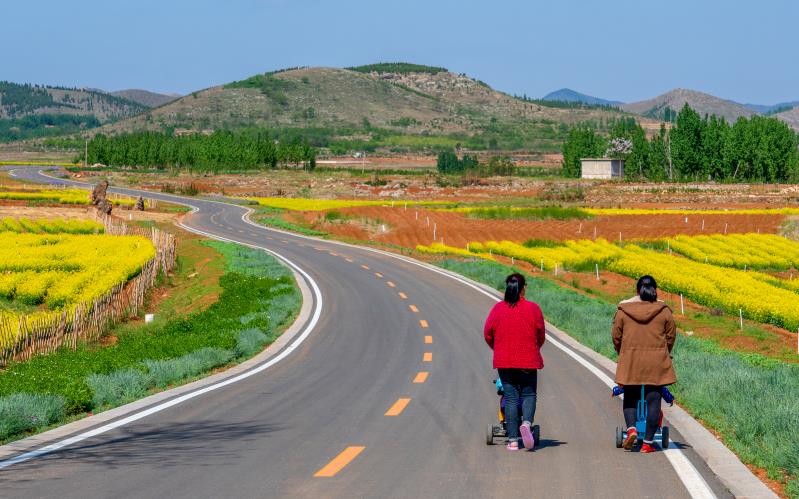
pixel 349 260
pixel 339 462
pixel 398 407
pixel 423 323
pixel 333 254
pixel 391 284
pixel 428 357
pixel 403 295
pixel 365 267
pixel 414 309
pixel 421 377
pixel 428 340
pixel 378 274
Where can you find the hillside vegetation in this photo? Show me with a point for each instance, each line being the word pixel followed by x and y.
pixel 29 111
pixel 391 107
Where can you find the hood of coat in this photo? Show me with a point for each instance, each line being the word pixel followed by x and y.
pixel 642 311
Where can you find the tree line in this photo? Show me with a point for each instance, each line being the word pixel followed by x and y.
pixel 221 150
pixel 756 149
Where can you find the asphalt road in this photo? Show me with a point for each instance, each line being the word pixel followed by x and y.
pixel 268 435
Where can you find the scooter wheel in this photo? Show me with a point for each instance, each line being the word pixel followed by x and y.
pixel 490 435
pixel 536 435
pixel 664 432
pixel 619 437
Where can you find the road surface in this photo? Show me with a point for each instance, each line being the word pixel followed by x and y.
pixel 322 410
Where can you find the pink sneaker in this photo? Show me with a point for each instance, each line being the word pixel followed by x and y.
pixel 527 435
pixel 513 446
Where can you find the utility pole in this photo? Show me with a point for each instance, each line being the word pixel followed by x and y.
pixel 86 154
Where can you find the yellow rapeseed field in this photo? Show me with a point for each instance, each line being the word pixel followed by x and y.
pixel 757 295
pixel 57 196
pixel 760 251
pixel 54 226
pixel 57 271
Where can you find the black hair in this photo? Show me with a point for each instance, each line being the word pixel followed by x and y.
pixel 514 285
pixel 647 288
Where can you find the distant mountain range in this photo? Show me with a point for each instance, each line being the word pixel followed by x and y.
pixel 664 107
pixel 569 95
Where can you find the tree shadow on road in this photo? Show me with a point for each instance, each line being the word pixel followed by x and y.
pixel 195 444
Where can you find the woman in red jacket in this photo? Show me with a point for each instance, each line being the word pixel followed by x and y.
pixel 515 331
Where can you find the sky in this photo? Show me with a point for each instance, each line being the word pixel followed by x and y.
pixel 620 50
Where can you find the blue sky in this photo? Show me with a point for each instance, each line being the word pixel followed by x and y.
pixel 624 50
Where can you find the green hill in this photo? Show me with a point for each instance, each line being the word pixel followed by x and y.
pixel 35 111
pixel 387 106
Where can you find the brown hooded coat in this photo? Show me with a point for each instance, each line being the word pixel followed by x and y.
pixel 643 336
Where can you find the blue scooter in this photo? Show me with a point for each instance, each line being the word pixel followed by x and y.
pixel 662 433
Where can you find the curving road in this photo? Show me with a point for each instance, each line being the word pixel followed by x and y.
pixel 322 409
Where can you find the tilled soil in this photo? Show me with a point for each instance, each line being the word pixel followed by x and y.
pixel 403 228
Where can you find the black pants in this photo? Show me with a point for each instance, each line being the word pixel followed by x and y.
pixel 632 394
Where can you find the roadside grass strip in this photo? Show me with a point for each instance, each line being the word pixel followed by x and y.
pixel 258 299
pixel 750 400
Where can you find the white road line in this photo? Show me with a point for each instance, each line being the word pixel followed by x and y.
pixel 160 407
pixel 687 472
pixel 693 481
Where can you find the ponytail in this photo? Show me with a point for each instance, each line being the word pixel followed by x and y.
pixel 514 285
pixel 647 288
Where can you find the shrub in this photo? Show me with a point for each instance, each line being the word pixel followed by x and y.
pixel 249 342
pixel 27 411
pixel 118 387
pixel 169 371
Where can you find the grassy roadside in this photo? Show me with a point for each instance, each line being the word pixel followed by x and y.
pixel 750 401
pixel 257 299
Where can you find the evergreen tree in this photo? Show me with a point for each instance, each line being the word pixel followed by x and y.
pixel 686 143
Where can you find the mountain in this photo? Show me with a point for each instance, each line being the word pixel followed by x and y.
pixel 569 95
pixel 145 97
pixel 791 117
pixel 31 111
pixel 20 100
pixel 420 106
pixel 664 105
pixel 774 108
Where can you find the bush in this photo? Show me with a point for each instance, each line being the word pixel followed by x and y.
pixel 118 387
pixel 249 342
pixel 169 371
pixel 27 411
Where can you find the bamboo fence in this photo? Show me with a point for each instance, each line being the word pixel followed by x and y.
pixel 87 321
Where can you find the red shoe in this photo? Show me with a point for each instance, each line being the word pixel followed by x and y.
pixel 647 448
pixel 632 436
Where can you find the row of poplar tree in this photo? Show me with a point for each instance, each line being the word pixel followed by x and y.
pixel 756 149
pixel 221 150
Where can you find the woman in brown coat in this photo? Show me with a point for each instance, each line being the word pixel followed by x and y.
pixel 643 335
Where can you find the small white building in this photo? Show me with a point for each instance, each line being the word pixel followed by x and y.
pixel 602 168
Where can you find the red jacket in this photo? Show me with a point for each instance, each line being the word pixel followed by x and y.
pixel 516 334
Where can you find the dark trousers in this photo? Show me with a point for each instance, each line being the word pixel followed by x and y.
pixel 632 394
pixel 518 383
